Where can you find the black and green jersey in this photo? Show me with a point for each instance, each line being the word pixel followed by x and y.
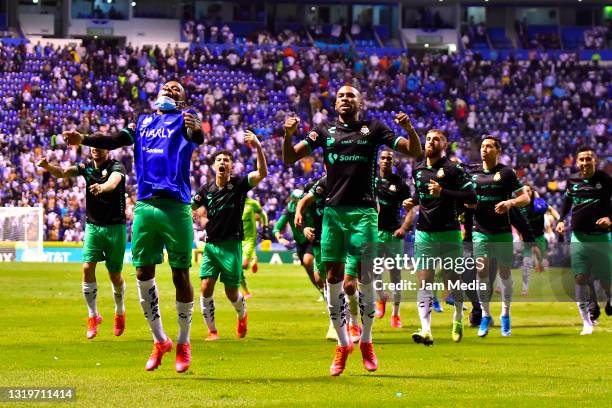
pixel 319 191
pixel 390 191
pixel 106 208
pixel 492 187
pixel 350 152
pixel 437 214
pixel 535 220
pixel 288 217
pixel 588 200
pixel 224 207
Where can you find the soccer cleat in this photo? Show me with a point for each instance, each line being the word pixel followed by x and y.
pixel 486 322
pixel 608 308
pixel 212 336
pixel 396 322
pixel 457 331
pixel 331 333
pixel 505 326
pixel 159 349
pixel 370 362
pixel 475 316
pixel 354 333
pixel 246 294
pixel 594 312
pixel 254 268
pixel 183 357
pixel 437 306
pixel 339 362
pixel 241 329
pixel 380 308
pixel 119 325
pixel 92 326
pixel 586 330
pixel 423 337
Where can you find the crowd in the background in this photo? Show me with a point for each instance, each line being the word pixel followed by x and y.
pixel 541 109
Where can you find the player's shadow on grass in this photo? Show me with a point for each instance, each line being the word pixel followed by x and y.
pixel 247 381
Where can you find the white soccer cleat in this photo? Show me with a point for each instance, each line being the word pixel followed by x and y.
pixel 586 329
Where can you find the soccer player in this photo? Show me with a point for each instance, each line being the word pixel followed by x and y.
pixel 441 186
pixel 105 233
pixel 350 147
pixel 588 196
pixel 495 185
pixel 303 245
pixel 534 214
pixel 251 215
pixel 391 191
pixel 163 143
pixel 223 200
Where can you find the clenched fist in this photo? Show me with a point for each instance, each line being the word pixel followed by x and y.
pixel 291 125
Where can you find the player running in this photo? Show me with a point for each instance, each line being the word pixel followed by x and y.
pixel 441 187
pixel 588 196
pixel 105 233
pixel 252 214
pixel 534 214
pixel 350 147
pixel 391 191
pixel 223 199
pixel 494 184
pixel 163 143
pixel 303 248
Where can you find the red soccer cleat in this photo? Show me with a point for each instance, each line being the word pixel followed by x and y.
pixel 183 357
pixel 159 349
pixel 212 336
pixel 241 330
pixel 354 333
pixel 380 308
pixel 370 362
pixel 339 362
pixel 119 325
pixel 92 326
pixel 255 267
pixel 396 322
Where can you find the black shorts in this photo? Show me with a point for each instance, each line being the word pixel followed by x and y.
pixel 303 249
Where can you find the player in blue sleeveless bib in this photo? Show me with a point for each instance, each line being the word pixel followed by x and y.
pixel 163 143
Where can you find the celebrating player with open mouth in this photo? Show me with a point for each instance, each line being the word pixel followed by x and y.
pixel 223 199
pixel 164 141
pixel 350 147
pixel 588 197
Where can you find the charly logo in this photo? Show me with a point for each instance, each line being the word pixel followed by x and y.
pixel 332 157
pixel 440 173
pixel 332 130
pixel 364 130
pixel 497 177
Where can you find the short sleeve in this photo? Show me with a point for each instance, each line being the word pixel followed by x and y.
pixel 463 179
pixel 386 136
pixel 314 139
pixel 118 168
pixel 318 190
pixel 511 181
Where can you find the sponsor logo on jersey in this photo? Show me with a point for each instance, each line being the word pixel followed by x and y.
pixel 153 150
pixel 364 130
pixel 497 177
pixel 330 141
pixel 313 135
pixel 392 188
pixel 440 173
pixel 147 121
pixel 162 133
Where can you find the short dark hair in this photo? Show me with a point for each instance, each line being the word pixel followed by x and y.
pixel 585 148
pixel 220 152
pixel 438 131
pixel 495 139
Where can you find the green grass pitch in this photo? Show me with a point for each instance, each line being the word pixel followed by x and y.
pixel 284 360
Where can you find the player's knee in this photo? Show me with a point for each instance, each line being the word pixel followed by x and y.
pixel 180 277
pixel 116 278
pixel 145 273
pixel 350 286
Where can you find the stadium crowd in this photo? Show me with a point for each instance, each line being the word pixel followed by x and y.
pixel 542 110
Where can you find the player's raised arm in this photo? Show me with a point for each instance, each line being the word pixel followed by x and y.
pixel 57 171
pixel 193 127
pixel 262 166
pixel 411 146
pixel 125 137
pixel 292 153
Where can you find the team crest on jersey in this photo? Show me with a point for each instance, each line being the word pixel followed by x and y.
pixel 230 186
pixel 147 121
pixel 104 173
pixel 598 186
pixel 497 177
pixel 392 188
pixel 313 135
pixel 440 173
pixel 197 198
pixel 319 190
pixel 364 130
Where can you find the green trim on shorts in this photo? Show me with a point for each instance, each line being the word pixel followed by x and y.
pixel 223 260
pixel 591 256
pixel 105 243
pixel 494 246
pixel 160 223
